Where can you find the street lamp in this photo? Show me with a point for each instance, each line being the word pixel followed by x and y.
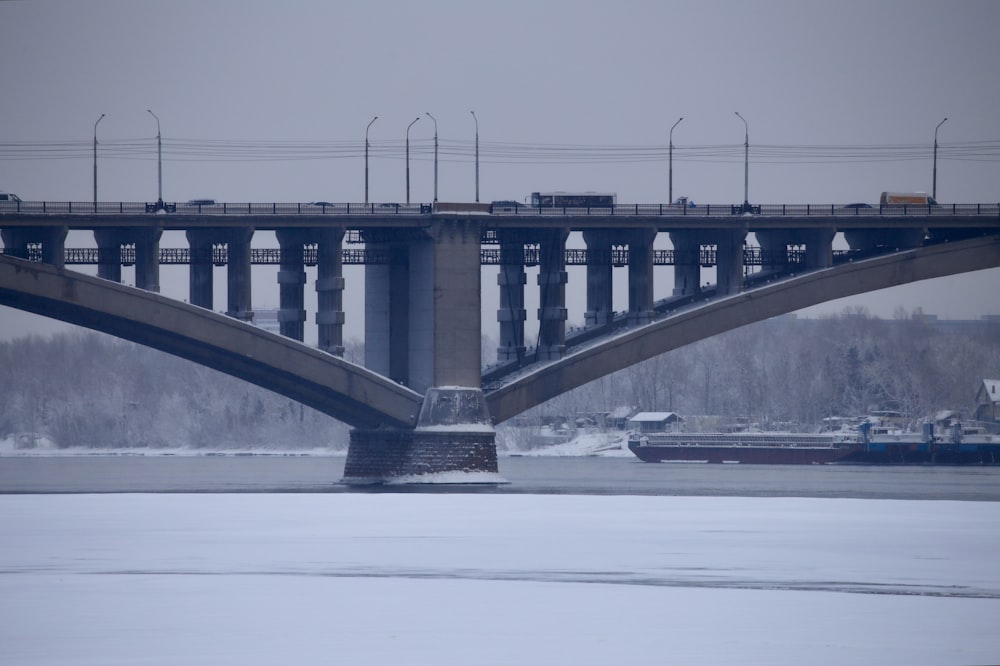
pixel 670 183
pixel 408 159
pixel 159 162
pixel 477 154
pixel 746 164
pixel 366 157
pixel 435 156
pixel 95 162
pixel 934 182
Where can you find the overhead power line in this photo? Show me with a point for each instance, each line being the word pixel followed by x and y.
pixel 227 150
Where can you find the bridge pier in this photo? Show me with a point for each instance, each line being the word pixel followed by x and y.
pixel 511 314
pixel 330 290
pixel 432 285
pixel 146 241
pixel 600 278
pixel 552 279
pixel 52 240
pixel 640 276
pixel 687 263
pixel 292 283
pixel 200 282
pixel 729 260
pixel 774 244
pixel 454 442
pixel 240 305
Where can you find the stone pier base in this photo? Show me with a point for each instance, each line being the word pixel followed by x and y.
pixel 453 443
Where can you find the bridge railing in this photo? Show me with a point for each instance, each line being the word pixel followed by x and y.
pixel 386 209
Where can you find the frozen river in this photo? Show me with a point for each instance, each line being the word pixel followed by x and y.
pixel 308 575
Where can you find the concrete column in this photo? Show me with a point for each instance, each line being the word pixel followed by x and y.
pixel 774 248
pixel 330 290
pixel 52 240
pixel 640 276
pixel 291 284
pixel 552 280
pixel 600 276
pixel 240 305
pixel 511 314
pixel 387 327
pixel 687 263
pixel 819 248
pixel 109 254
pixel 147 257
pixel 200 269
pixel 729 261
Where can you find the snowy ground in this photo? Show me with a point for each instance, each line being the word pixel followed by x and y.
pixel 243 579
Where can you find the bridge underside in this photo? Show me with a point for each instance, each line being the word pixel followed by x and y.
pixel 345 391
pixel 540 383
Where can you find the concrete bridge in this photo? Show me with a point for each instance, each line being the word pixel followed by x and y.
pixel 419 406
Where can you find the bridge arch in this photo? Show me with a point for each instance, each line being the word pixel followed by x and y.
pixel 717 316
pixel 343 390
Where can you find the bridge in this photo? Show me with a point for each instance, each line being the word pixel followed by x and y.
pixel 421 403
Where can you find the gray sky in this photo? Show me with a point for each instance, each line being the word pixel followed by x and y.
pixel 870 75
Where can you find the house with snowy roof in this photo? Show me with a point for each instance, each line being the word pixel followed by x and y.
pixel 654 422
pixel 988 402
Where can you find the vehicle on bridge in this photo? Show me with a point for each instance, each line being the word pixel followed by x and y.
pixel 573 199
pixel 907 199
pixel 8 197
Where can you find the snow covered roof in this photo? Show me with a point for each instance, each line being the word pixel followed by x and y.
pixel 656 417
pixel 991 388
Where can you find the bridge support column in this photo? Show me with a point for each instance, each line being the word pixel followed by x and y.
pixel 200 286
pixel 774 248
pixel 330 290
pixel 387 312
pixel 511 314
pixel 729 261
pixel 552 280
pixel 640 276
pixel 687 263
pixel 819 248
pixel 239 287
pixel 600 280
pixel 147 258
pixel 454 433
pixel 453 443
pixel 52 240
pixel 291 284
pixel 109 253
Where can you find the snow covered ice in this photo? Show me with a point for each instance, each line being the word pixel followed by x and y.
pixel 495 579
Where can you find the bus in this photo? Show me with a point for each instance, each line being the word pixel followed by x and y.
pixel 573 200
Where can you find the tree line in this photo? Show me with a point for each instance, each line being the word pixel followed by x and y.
pixel 85 389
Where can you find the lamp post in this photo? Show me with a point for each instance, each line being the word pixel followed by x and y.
pixel 477 154
pixel 366 156
pixel 435 156
pixel 159 162
pixel 408 159
pixel 746 164
pixel 670 177
pixel 934 181
pixel 95 161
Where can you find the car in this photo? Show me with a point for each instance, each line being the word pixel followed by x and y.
pixel 200 202
pixel 683 202
pixel 858 205
pixel 8 196
pixel 321 203
pixel 505 206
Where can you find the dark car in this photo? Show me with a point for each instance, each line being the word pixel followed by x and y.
pixel 858 205
pixel 199 203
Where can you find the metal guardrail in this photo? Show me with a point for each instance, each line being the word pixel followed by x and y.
pixel 384 209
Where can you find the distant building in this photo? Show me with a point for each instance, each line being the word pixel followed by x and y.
pixel 655 422
pixel 988 402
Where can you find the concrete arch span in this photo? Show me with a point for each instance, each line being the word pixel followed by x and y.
pixel 725 314
pixel 343 390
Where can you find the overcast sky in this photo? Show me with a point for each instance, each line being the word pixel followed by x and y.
pixel 841 99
